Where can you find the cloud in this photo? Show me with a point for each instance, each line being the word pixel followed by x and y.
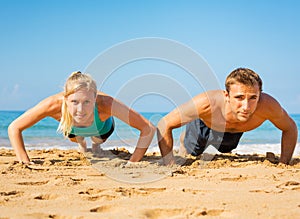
pixel 15 90
pixel 10 97
pixel 10 91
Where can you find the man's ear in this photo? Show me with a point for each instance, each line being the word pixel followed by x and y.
pixel 226 95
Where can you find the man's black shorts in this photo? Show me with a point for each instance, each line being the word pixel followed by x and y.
pixel 198 137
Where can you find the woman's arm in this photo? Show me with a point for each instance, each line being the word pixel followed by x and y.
pixel 47 107
pixel 135 120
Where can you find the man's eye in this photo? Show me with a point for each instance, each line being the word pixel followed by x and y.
pixel 239 97
pixel 87 102
pixel 74 101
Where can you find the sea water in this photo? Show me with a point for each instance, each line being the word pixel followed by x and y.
pixel 43 135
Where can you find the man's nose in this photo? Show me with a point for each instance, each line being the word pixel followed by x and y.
pixel 246 105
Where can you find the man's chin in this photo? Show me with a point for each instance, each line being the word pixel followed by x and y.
pixel 243 118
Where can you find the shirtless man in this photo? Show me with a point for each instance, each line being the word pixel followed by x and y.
pixel 219 118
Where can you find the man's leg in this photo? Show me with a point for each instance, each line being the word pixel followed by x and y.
pixel 195 138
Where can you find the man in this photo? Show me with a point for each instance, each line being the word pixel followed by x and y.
pixel 219 118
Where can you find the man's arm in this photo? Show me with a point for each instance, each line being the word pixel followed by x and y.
pixel 280 118
pixel 288 141
pixel 193 109
pixel 165 137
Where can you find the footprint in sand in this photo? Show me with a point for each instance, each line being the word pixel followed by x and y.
pixel 46 197
pixel 236 179
pixel 195 191
pixel 78 180
pixel 137 191
pixel 158 213
pixel 103 197
pixel 105 208
pixel 92 191
pixel 151 190
pixel 97 194
pixel 289 185
pixel 68 181
pixel 11 193
pixel 212 212
pixel 275 191
pixel 110 194
pixel 33 183
pixel 42 215
pixel 6 196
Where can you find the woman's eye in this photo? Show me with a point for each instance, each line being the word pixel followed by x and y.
pixel 74 102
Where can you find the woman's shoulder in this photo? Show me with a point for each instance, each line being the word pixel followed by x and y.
pixel 54 99
pixel 52 104
pixel 103 99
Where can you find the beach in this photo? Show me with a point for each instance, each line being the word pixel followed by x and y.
pixel 69 184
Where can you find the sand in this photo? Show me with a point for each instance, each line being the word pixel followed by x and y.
pixel 68 184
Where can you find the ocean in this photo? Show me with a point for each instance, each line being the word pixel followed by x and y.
pixel 43 135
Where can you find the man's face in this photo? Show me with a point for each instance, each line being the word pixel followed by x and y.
pixel 243 100
pixel 81 106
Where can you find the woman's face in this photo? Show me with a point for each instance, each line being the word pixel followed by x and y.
pixel 81 107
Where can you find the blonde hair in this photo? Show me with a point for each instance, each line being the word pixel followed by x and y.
pixel 75 82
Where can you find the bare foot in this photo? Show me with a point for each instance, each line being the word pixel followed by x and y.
pixel 96 142
pixel 96 148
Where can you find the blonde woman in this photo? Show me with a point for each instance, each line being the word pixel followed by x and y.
pixel 83 112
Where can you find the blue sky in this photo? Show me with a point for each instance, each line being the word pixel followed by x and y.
pixel 42 42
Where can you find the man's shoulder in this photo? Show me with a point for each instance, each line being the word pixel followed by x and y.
pixel 266 99
pixel 268 105
pixel 213 94
pixel 216 96
pixel 210 100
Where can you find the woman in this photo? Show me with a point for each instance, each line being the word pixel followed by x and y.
pixel 82 112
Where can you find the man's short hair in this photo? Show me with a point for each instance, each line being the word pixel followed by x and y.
pixel 244 76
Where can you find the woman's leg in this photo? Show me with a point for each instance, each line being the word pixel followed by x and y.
pixel 96 142
pixel 81 144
